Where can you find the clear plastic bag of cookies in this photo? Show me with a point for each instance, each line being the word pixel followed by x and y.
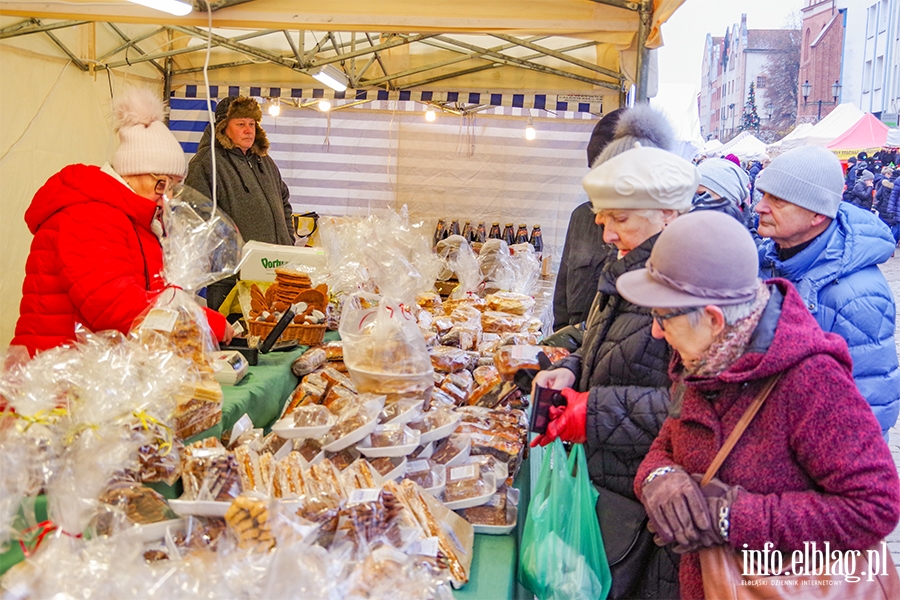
pixel 510 302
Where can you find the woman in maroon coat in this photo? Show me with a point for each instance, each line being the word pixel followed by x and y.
pixel 811 467
pixel 96 258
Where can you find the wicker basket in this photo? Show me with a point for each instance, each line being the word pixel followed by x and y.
pixel 306 335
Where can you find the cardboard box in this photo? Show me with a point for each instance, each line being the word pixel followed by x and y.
pixel 259 260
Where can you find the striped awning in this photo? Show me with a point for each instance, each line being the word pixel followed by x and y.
pixel 590 104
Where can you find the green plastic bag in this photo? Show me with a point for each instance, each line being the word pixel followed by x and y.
pixel 562 556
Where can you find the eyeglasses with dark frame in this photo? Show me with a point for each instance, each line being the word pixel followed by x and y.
pixel 164 184
pixel 661 319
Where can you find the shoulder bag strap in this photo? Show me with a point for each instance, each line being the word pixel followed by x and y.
pixel 738 430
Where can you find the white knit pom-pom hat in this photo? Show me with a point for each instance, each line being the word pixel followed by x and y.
pixel 145 143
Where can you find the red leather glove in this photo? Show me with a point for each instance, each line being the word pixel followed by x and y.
pixel 567 423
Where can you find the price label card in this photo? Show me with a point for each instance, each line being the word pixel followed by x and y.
pixel 522 352
pixel 464 472
pixel 363 495
pixel 160 319
pixel 427 547
pixel 416 466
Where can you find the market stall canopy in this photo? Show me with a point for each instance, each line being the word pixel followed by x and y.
pixel 867 135
pixel 711 147
pixel 745 146
pixel 834 125
pixel 573 45
pixel 795 139
pixel 893 138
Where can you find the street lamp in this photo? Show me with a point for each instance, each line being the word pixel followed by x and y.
pixel 770 108
pixel 835 92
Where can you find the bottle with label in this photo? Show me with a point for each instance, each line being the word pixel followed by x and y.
pixel 439 232
pixel 495 231
pixel 536 240
pixel 509 236
pixel 454 227
pixel 522 234
pixel 481 233
pixel 467 231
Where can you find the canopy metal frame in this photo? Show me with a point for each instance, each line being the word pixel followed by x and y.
pixel 328 50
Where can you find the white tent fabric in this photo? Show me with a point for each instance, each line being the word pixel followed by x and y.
pixel 837 122
pixel 711 147
pixel 893 138
pixel 745 146
pixel 679 104
pixel 795 138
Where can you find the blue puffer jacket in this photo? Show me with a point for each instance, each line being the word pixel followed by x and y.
pixel 838 278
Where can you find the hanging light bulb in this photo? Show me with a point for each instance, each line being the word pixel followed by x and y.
pixel 324 105
pixel 529 130
pixel 430 115
pixel 274 107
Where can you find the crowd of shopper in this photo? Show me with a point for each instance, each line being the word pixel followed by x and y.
pixel 772 273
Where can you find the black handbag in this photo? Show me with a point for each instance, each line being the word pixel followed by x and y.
pixel 628 543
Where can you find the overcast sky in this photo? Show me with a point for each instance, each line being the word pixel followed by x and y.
pixel 681 58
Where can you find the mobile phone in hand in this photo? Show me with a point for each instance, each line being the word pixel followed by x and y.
pixel 543 399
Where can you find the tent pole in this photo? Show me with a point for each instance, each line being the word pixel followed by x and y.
pixel 643 53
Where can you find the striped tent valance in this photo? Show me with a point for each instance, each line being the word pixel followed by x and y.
pixel 590 105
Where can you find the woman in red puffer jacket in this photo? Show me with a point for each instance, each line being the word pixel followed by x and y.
pixel 96 258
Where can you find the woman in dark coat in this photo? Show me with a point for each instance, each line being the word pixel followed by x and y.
pixel 812 466
pixel 617 386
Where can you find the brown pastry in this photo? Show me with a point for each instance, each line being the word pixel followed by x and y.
pixel 248 518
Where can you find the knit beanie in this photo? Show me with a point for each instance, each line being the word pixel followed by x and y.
pixel 145 143
pixel 642 178
pixel 808 176
pixel 866 176
pixel 640 124
pixel 725 179
pixel 734 159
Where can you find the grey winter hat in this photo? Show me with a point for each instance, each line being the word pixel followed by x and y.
pixel 700 258
pixel 866 176
pixel 725 179
pixel 808 176
pixel 641 124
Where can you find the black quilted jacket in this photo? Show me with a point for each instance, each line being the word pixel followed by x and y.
pixel 625 369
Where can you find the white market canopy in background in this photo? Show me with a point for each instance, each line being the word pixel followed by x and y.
pixel 711 147
pixel 795 139
pixel 835 124
pixel 745 146
pixel 893 138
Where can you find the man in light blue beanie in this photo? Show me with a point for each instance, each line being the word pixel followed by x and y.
pixel 830 250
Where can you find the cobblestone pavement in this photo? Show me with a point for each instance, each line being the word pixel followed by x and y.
pixel 891 270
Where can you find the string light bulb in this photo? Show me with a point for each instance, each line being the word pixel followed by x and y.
pixel 529 130
pixel 274 107
pixel 324 105
pixel 430 115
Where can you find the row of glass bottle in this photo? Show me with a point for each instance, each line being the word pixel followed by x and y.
pixel 479 233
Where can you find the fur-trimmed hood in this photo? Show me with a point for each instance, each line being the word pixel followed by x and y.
pixel 240 107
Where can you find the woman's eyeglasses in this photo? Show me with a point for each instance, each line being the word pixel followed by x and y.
pixel 662 318
pixel 166 186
